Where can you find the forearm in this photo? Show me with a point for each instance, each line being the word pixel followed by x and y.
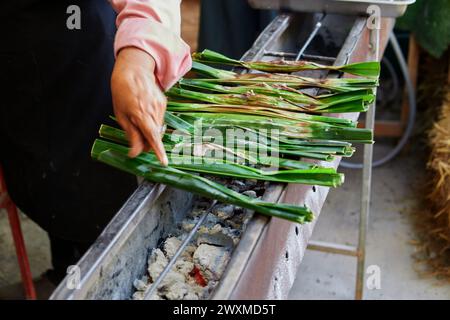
pixel 154 27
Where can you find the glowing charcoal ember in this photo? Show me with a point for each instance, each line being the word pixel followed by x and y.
pixel 198 277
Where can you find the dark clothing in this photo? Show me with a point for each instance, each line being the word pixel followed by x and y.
pixel 54 94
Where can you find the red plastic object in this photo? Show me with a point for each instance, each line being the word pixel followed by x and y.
pixel 22 257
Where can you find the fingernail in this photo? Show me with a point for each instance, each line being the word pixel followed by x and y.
pixel 132 153
pixel 165 160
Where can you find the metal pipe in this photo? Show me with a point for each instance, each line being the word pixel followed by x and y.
pixel 335 248
pixel 310 38
pixel 411 115
pixel 281 54
pixel 318 57
pixel 151 289
pixel 366 188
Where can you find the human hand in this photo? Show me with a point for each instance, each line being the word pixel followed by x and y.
pixel 139 102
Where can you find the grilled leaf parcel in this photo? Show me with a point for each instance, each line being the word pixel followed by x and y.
pixel 265 101
pixel 366 69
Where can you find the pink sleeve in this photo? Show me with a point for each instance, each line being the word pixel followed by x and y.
pixel 154 27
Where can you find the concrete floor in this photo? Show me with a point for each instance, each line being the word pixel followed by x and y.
pixel 38 248
pixel 329 276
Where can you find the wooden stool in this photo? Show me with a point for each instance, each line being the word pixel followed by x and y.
pixel 22 257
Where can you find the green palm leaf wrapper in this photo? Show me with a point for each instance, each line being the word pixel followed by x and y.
pixel 358 101
pixel 280 95
pixel 258 104
pixel 365 69
pixel 153 171
pixel 288 80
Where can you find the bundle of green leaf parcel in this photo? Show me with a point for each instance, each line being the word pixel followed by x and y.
pixel 253 126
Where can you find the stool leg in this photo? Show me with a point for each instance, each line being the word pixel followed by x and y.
pixel 22 257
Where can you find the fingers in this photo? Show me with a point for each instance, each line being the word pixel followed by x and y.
pixel 144 131
pixel 137 142
pixel 144 136
pixel 139 104
pixel 150 130
pixel 152 124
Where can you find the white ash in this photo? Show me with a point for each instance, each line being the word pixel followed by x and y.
pixel 140 285
pixel 170 246
pixel 178 291
pixel 250 193
pixel 224 211
pixel 156 263
pixel 202 263
pixel 184 266
pixel 238 186
pixel 211 260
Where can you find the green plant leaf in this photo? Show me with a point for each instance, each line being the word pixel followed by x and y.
pixel 193 183
pixel 366 69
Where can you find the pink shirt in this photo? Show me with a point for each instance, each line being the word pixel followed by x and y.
pixel 154 27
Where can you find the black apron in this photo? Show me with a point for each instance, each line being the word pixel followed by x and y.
pixel 54 94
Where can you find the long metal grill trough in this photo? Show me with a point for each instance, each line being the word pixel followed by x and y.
pixel 388 8
pixel 265 255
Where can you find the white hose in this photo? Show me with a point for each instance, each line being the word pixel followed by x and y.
pixel 411 116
